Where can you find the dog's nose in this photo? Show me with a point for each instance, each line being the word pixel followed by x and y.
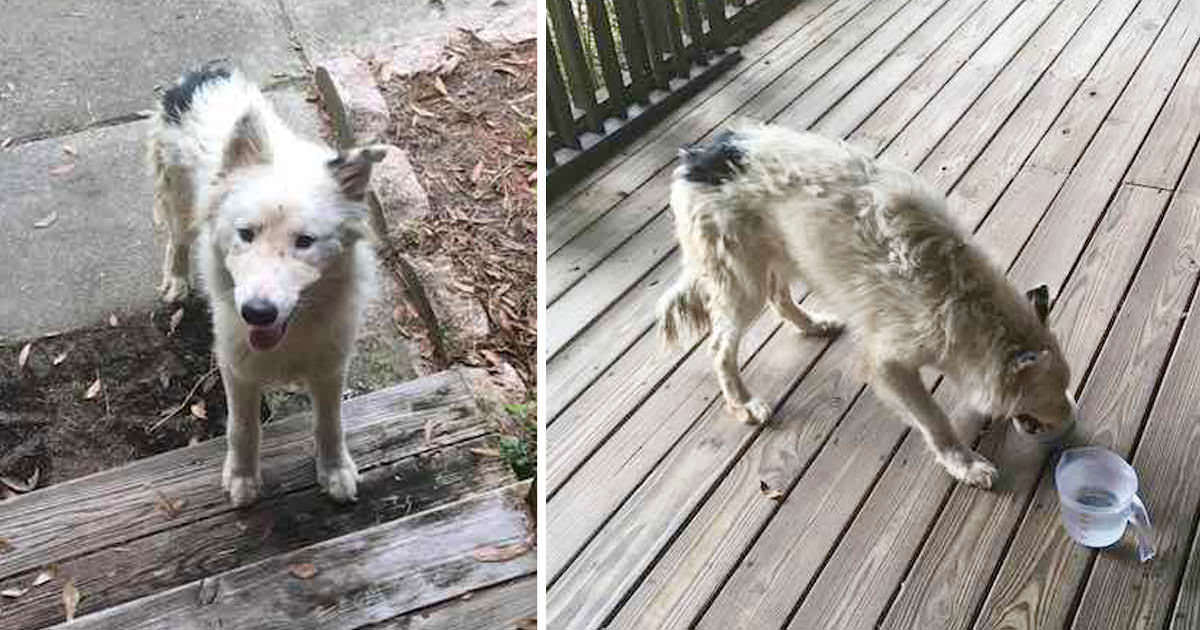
pixel 259 312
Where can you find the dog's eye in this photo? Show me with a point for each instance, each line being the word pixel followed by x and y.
pixel 304 241
pixel 246 234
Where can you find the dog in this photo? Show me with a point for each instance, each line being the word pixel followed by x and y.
pixel 283 248
pixel 762 207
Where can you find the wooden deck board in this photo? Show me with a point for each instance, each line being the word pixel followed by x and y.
pixel 1032 115
pixel 419 447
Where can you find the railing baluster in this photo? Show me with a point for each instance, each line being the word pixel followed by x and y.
pixel 579 75
pixel 717 26
pixel 695 28
pixel 606 50
pixel 562 121
pixel 657 41
pixel 633 42
pixel 674 28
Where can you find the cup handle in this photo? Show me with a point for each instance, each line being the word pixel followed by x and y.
pixel 1142 528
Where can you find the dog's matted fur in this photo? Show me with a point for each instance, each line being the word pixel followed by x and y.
pixel 280 233
pixel 763 206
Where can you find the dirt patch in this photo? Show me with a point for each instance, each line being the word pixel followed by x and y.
pixel 47 422
pixel 470 130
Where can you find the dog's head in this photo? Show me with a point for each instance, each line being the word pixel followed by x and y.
pixel 1038 396
pixel 283 217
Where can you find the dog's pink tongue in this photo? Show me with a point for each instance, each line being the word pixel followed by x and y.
pixel 266 337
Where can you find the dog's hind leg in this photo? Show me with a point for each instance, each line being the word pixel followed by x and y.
pixel 900 387
pixel 242 477
pixel 812 324
pixel 729 320
pixel 336 472
pixel 173 210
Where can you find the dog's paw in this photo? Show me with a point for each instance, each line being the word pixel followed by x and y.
pixel 755 411
pixel 243 489
pixel 971 468
pixel 824 326
pixel 173 289
pixel 340 481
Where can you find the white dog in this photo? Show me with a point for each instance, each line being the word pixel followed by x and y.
pixel 763 206
pixel 280 232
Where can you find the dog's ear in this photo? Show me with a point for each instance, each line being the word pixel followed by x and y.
pixel 247 145
pixel 352 170
pixel 1040 296
pixel 1025 359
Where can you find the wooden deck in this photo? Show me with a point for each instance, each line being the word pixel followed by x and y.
pixel 1063 132
pixel 437 538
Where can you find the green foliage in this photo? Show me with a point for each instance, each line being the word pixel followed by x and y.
pixel 520 452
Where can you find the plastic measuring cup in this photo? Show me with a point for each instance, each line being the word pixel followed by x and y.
pixel 1097 496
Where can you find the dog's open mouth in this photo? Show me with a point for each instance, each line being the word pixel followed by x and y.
pixel 267 337
pixel 1028 424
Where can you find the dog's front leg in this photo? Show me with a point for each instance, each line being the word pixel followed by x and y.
pixel 900 386
pixel 336 471
pixel 242 477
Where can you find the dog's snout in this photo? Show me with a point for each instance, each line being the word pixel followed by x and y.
pixel 259 312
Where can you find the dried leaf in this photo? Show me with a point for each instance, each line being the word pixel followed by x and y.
pixel 770 493
pixel 422 112
pixel 477 172
pixel 70 150
pixel 485 452
pixel 60 357
pixel 46 221
pixel 7 141
pixel 176 318
pixel 93 390
pixel 47 574
pixel 70 597
pixel 170 507
pixel 430 427
pixel 526 623
pixel 22 486
pixel 23 357
pixel 14 592
pixel 439 86
pixel 304 571
pixel 500 553
pixel 199 410
pixel 113 321
pixel 63 169
pixel 5 546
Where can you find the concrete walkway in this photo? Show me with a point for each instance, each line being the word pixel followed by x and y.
pixel 77 79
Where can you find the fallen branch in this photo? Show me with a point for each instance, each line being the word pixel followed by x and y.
pixel 186 399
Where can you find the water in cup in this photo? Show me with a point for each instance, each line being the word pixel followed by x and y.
pixel 1098 496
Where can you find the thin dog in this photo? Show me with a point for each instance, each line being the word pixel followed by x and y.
pixel 762 207
pixel 280 235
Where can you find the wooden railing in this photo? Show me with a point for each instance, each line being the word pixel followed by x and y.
pixel 617 66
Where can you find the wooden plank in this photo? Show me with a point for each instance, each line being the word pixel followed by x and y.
pixel 812 24
pixel 1041 572
pixel 558 104
pixel 500 607
pixel 827 87
pixel 1085 193
pixel 905 109
pixel 1167 140
pixel 593 294
pixel 369 576
pixel 1016 91
pixel 200 549
pixel 897 78
pixel 606 50
pixel 574 64
pixel 1121 593
pixel 118 505
pixel 1093 86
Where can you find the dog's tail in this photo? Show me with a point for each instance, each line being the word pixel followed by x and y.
pixel 682 309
